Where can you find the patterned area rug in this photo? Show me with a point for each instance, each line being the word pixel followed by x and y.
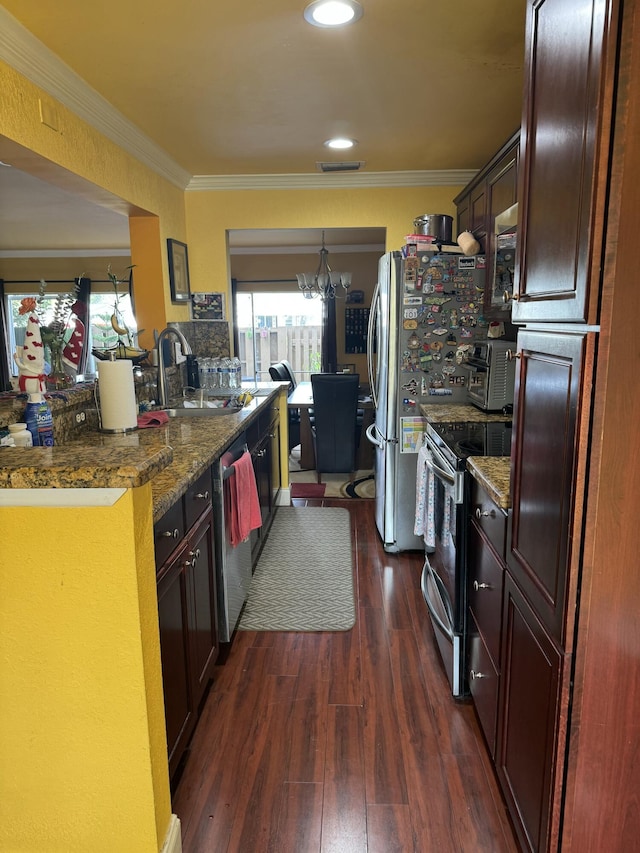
pixel 304 577
pixel 304 484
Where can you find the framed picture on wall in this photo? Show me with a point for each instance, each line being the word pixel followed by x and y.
pixel 207 306
pixel 178 271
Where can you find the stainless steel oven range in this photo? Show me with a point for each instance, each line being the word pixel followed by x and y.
pixel 446 502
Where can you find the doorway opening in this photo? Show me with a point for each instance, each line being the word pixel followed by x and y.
pixel 276 325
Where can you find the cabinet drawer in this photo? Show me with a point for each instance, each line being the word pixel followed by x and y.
pixel 489 517
pixel 483 684
pixel 486 580
pixel 197 498
pixel 168 532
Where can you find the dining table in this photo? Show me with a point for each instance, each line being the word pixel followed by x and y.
pixel 301 398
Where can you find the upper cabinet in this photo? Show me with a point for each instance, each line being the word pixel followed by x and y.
pixel 492 191
pixel 569 60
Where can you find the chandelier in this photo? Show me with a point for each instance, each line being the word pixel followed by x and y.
pixel 324 282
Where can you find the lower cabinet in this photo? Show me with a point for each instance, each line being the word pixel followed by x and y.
pixel 486 579
pixel 264 445
pixel 187 611
pixel 531 677
pixel 517 673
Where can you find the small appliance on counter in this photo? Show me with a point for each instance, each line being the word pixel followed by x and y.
pixel 492 373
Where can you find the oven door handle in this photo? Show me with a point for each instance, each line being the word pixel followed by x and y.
pixel 439 586
pixel 440 472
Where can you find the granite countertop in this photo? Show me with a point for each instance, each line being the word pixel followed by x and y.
pixel 171 456
pixel 493 474
pixel 439 413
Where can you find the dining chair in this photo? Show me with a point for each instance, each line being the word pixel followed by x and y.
pixel 336 433
pixel 282 371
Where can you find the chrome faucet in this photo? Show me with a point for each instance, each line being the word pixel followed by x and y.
pixel 162 379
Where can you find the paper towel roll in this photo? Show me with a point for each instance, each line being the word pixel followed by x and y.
pixel 116 392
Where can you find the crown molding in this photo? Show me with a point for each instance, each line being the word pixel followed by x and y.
pixel 20 49
pixel 340 180
pixel 28 55
pixel 307 250
pixel 65 253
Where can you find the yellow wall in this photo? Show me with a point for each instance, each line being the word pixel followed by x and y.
pixel 211 213
pixel 82 742
pixel 106 172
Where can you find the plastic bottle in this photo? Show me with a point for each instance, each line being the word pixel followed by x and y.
pixel 225 369
pixel 20 435
pixel 39 421
pixel 237 372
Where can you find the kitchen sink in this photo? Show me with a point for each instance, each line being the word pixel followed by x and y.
pixel 202 412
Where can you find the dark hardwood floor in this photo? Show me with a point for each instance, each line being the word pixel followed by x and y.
pixel 347 742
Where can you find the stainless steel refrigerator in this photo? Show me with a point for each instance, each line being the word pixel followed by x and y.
pixel 425 316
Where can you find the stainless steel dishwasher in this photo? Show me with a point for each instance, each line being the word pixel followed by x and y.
pixel 233 565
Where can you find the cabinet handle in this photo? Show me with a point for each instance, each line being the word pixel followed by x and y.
pixel 202 496
pixel 195 553
pixel 477 586
pixel 491 513
pixel 509 297
pixel 511 355
pixel 261 453
pixel 171 534
pixel 475 675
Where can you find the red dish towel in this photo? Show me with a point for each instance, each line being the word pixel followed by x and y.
pixel 244 504
pixel 152 419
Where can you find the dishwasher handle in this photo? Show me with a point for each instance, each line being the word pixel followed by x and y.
pixel 227 459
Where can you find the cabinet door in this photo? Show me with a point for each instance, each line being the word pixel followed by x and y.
pixel 501 194
pixel 274 459
pixel 550 412
pixel 463 208
pixel 173 607
pixel 478 213
pixel 202 614
pixel 168 532
pixel 260 456
pixel 569 57
pixel 529 708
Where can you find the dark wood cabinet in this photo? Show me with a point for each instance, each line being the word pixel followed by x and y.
pixel 563 190
pixel 264 444
pixel 187 610
pixel 492 191
pixel 179 709
pixel 486 579
pixel 529 712
pixel 566 134
pixel 202 605
pixel 547 470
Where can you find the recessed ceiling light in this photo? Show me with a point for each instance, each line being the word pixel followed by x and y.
pixel 333 13
pixel 340 142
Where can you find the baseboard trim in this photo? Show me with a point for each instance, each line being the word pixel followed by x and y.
pixel 284 497
pixel 173 839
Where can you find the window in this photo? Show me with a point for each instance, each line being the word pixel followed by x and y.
pixel 273 326
pixel 100 332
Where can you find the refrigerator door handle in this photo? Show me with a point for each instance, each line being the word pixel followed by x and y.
pixel 369 432
pixel 375 437
pixel 371 334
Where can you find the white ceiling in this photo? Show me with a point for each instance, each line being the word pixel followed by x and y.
pixel 228 89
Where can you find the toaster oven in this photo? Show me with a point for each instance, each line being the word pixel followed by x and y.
pixel 491 375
